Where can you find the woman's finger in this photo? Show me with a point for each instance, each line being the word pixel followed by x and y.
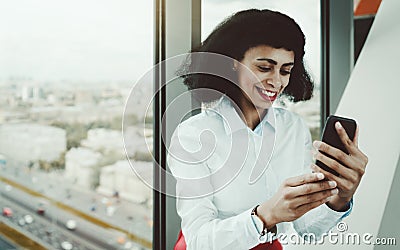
pixel 313 187
pixel 342 183
pixel 347 142
pixel 302 179
pixel 312 197
pixel 355 140
pixel 338 154
pixel 334 165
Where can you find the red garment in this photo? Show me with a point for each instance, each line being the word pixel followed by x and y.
pixel 275 245
pixel 180 243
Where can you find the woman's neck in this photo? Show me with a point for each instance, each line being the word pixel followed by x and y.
pixel 249 113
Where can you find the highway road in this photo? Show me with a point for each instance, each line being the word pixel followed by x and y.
pixel 50 230
pixel 131 217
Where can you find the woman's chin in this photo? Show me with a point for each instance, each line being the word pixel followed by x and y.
pixel 264 105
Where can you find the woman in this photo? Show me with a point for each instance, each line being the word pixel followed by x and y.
pixel 244 169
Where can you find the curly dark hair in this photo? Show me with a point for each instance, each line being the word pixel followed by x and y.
pixel 232 38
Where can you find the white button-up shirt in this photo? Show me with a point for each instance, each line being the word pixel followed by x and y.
pixel 224 169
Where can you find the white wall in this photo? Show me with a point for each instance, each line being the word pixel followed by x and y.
pixel 371 98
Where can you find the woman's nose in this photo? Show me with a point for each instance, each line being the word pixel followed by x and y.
pixel 274 80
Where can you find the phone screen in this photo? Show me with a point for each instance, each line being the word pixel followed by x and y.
pixel 331 137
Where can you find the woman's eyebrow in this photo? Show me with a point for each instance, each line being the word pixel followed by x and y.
pixel 274 62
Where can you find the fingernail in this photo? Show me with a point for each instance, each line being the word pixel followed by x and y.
pixel 338 125
pixel 316 144
pixel 332 183
pixel 335 191
pixel 329 198
pixel 320 176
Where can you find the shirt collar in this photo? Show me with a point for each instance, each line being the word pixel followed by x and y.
pixel 232 120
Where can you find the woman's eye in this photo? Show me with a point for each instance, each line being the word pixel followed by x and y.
pixel 264 69
pixel 285 72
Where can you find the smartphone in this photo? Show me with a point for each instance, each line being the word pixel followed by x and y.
pixel 331 137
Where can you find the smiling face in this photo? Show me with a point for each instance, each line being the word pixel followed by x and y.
pixel 264 73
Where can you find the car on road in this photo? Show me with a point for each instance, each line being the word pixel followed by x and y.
pixel 7 212
pixel 21 222
pixel 66 245
pixel 40 211
pixel 110 210
pixel 28 219
pixel 71 224
pixel 41 208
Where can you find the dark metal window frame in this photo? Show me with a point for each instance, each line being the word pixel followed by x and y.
pixel 337 52
pixel 165 228
pixel 159 239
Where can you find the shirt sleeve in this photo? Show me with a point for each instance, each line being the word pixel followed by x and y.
pixel 321 219
pixel 201 225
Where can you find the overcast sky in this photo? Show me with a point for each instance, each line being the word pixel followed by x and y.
pixel 75 39
pixel 109 39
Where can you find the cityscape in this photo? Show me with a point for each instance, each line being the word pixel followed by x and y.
pixel 63 141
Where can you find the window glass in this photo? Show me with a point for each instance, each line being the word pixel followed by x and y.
pixel 67 68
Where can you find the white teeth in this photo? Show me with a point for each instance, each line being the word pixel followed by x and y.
pixel 270 94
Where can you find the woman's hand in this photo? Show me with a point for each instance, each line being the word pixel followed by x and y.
pixel 350 167
pixel 295 197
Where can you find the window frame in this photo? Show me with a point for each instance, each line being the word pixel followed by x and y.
pixel 337 53
pixel 169 31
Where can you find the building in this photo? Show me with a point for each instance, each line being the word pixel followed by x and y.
pixel 104 140
pixel 81 167
pixel 129 181
pixel 32 142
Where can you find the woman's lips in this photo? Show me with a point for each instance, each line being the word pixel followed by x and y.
pixel 266 94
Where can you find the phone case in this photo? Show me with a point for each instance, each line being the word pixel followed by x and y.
pixel 331 137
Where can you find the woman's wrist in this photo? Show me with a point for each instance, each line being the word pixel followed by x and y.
pixel 339 204
pixel 267 216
